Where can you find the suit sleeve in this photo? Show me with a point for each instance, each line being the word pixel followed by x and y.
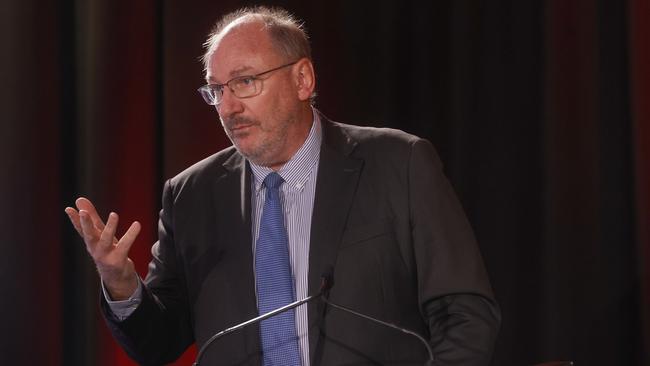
pixel 454 291
pixel 159 330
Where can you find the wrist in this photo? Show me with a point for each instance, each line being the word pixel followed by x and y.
pixel 121 289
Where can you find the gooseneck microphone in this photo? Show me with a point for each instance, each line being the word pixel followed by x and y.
pixel 328 282
pixel 324 287
pixel 430 362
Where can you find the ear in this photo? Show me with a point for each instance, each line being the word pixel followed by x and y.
pixel 304 78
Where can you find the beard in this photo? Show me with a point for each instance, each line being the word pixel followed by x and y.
pixel 267 139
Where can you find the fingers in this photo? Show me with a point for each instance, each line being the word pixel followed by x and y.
pixel 73 215
pixel 124 245
pixel 106 239
pixel 85 204
pixel 99 237
pixel 88 230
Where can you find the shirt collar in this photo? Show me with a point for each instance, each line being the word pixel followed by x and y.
pixel 298 169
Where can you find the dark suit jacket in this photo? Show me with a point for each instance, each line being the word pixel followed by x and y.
pixel 385 218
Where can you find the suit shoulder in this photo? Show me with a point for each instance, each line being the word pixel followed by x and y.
pixel 377 134
pixel 207 167
pixel 385 148
pixel 385 139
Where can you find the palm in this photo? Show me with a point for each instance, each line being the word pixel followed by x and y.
pixel 111 255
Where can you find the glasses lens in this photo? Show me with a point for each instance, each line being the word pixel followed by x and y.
pixel 210 94
pixel 244 87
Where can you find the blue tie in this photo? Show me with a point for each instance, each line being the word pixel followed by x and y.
pixel 274 281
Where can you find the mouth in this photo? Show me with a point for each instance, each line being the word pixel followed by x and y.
pixel 240 129
pixel 238 126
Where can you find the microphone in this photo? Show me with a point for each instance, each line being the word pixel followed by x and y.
pixel 328 282
pixel 324 288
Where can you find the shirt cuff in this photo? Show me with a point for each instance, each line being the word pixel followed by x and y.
pixel 124 308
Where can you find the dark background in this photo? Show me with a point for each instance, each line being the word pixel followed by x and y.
pixel 539 110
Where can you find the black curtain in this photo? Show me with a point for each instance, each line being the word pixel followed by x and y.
pixel 529 103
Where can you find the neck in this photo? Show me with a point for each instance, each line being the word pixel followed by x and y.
pixel 297 136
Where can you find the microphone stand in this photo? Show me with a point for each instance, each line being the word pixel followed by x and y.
pixel 323 293
pixel 429 362
pixel 252 321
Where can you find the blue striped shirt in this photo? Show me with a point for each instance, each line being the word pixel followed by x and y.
pixel 297 197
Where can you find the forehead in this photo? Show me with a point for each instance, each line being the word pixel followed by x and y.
pixel 242 49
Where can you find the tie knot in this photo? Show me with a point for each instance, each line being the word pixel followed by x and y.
pixel 273 181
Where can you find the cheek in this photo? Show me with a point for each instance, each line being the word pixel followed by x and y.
pixel 265 111
pixel 272 108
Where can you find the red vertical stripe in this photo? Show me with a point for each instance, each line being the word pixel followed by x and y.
pixel 41 155
pixel 129 120
pixel 639 13
pixel 135 158
pixel 125 50
pixel 46 247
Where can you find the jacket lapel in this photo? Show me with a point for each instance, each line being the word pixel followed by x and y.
pixel 338 174
pixel 238 179
pixel 336 183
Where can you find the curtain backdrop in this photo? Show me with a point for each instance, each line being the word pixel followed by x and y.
pixel 540 111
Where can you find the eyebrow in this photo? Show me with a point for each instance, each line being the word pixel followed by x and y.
pixel 233 74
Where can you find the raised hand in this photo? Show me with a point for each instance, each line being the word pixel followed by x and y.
pixel 111 256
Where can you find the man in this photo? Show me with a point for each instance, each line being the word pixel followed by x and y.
pixel 256 225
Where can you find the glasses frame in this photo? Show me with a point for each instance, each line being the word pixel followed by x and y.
pixel 207 90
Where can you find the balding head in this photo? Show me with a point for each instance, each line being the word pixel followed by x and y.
pixel 266 53
pixel 287 35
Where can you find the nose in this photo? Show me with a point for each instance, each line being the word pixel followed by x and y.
pixel 229 105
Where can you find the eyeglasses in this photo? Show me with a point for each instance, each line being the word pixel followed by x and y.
pixel 242 86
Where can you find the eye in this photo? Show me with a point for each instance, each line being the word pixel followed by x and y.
pixel 247 80
pixel 216 89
